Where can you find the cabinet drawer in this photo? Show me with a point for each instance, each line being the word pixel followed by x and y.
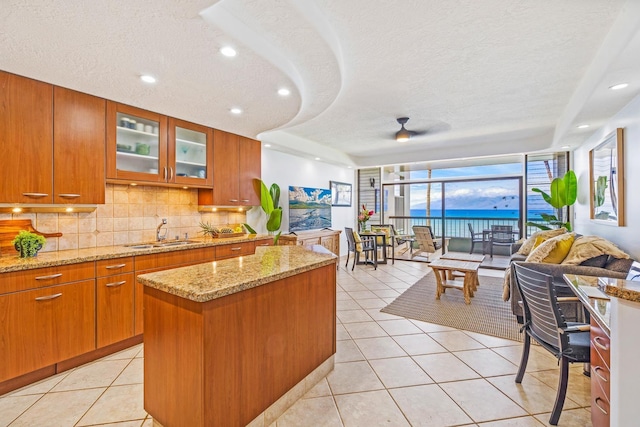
pixel 600 378
pixel 108 267
pixel 114 308
pixel 45 326
pixel 309 241
pixel 266 242
pixel 601 343
pixel 48 276
pixel 234 250
pixel 174 258
pixel 600 409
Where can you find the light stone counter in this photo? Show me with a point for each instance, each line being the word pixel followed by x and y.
pixel 211 280
pixel 13 262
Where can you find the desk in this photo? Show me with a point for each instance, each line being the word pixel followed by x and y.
pixel 617 319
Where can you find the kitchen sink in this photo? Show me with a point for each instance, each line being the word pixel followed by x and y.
pixel 162 244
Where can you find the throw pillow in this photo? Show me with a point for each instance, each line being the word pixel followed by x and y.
pixel 586 247
pixel 528 245
pixel 553 250
pixel 358 240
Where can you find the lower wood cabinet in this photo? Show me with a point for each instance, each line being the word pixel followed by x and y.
pixel 330 239
pixel 600 376
pixel 44 326
pixel 114 310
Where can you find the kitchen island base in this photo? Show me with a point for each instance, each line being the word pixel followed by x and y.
pixel 227 361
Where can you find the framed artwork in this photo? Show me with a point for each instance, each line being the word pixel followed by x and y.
pixel 340 193
pixel 606 178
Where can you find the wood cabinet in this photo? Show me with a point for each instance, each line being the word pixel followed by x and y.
pixel 236 169
pixel 43 326
pixel 114 300
pixel 330 239
pixel 143 146
pixel 600 376
pixel 52 142
pixel 235 249
pixel 26 135
pixel 78 147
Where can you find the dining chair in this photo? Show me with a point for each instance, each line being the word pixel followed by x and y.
pixel 475 239
pixel 425 239
pixel 358 246
pixel 501 235
pixel 545 323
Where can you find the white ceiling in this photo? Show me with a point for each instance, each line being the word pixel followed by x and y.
pixel 486 77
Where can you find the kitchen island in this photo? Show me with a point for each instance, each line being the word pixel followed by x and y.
pixel 228 342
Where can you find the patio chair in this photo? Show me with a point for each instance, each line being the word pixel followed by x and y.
pixel 501 235
pixel 425 239
pixel 475 238
pixel 545 323
pixel 358 246
pixel 392 239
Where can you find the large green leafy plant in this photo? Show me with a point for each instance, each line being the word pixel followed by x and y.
pixel 269 201
pixel 564 192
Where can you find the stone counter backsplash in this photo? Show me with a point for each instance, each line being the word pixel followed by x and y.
pixel 130 214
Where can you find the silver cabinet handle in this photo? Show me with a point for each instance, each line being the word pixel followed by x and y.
pixel 114 284
pixel 244 200
pixel 263 244
pixel 69 195
pixel 164 175
pixel 170 173
pixel 235 249
pixel 595 371
pixel 598 344
pixel 233 200
pixel 51 276
pixel 604 411
pixel 113 267
pixel 36 195
pixel 49 297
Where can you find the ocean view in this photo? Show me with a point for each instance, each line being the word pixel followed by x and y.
pixel 478 213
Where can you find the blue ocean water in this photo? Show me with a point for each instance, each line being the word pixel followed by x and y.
pixel 478 213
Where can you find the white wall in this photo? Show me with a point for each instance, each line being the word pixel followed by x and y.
pixel 627 237
pixel 285 170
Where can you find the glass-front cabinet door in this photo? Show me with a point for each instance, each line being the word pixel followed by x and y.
pixel 137 144
pixel 189 153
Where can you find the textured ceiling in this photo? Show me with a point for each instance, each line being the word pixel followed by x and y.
pixel 484 77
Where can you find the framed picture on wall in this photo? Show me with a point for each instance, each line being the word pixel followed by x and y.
pixel 340 193
pixel 606 172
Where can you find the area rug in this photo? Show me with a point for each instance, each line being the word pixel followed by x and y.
pixel 487 314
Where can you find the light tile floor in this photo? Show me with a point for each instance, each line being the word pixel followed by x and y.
pixel 389 371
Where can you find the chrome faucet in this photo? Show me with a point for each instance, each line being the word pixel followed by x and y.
pixel 159 236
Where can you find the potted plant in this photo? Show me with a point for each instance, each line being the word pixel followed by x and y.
pixel 564 192
pixel 269 201
pixel 28 244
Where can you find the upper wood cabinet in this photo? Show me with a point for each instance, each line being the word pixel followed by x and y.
pixel 236 169
pixel 26 135
pixel 147 146
pixel 78 147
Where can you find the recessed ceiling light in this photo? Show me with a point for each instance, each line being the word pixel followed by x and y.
pixel 236 110
pixel 583 126
pixel 284 91
pixel 317 158
pixel 147 78
pixel 16 210
pixel 267 145
pixel 69 209
pixel 566 146
pixel 619 86
pixel 228 51
pixel 349 167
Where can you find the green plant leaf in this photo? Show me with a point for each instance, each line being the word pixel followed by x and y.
pixel 548 218
pixel 276 238
pixel 274 191
pixel 265 199
pixel 558 194
pixel 599 196
pixel 570 188
pixel 537 225
pixel 545 196
pixel 273 223
pixel 249 229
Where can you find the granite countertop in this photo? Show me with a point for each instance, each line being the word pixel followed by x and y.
pixel 10 263
pixel 211 280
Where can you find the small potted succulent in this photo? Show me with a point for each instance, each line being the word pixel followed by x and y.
pixel 28 244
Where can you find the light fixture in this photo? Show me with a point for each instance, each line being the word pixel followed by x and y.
pixel 349 167
pixel 267 145
pixel 317 158
pixel 583 126
pixel 284 91
pixel 566 146
pixel 236 110
pixel 133 184
pixel 214 209
pixel 16 210
pixel 69 210
pixel 147 78
pixel 403 134
pixel 185 188
pixel 239 209
pixel 619 86
pixel 228 51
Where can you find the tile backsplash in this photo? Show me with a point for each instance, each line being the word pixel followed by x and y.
pixel 130 214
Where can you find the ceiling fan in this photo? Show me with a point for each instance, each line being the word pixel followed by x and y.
pixel 404 134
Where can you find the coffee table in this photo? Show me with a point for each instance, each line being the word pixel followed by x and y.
pixel 463 256
pixel 443 268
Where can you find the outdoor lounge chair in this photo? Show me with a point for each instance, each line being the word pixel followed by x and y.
pixel 425 240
